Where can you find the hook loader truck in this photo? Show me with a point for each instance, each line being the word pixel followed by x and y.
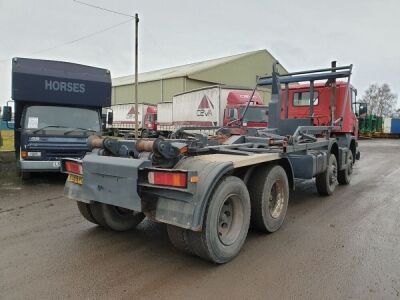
pixel 210 189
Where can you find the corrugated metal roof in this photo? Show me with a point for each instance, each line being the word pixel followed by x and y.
pixel 180 71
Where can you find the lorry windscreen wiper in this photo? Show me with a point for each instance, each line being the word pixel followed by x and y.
pixel 48 126
pixel 79 128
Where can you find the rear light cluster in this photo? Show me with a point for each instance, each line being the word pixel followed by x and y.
pixel 73 167
pixel 168 179
pixel 174 179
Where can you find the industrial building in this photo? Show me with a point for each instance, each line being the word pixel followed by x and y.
pixel 161 85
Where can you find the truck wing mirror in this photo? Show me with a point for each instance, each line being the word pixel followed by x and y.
pixel 110 117
pixel 7 113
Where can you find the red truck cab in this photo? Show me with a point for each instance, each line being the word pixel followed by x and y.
pixel 297 105
pixel 150 122
pixel 256 115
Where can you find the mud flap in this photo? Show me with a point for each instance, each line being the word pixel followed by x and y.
pixel 110 180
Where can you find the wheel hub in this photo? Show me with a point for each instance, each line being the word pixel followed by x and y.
pixel 350 168
pixel 332 175
pixel 230 220
pixel 276 199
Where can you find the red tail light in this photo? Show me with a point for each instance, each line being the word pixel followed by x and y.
pixel 174 179
pixel 73 167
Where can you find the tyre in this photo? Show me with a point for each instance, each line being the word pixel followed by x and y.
pixel 114 217
pixel 269 194
pixel 327 181
pixel 85 211
pixel 344 176
pixel 25 175
pixel 226 222
pixel 179 238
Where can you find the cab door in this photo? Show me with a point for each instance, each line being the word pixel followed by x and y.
pixel 230 116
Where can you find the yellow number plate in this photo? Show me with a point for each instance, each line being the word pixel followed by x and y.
pixel 75 179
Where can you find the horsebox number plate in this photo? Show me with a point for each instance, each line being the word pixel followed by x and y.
pixel 75 179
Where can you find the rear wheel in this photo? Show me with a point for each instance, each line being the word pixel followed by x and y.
pixel 269 194
pixel 179 238
pixel 327 181
pixel 85 211
pixel 25 175
pixel 344 176
pixel 226 222
pixel 114 217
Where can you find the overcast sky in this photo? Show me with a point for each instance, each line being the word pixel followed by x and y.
pixel 300 34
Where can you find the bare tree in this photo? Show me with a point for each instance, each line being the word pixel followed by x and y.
pixel 380 99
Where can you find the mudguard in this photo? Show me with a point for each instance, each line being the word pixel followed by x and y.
pixel 187 210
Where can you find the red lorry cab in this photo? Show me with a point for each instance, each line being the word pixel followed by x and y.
pixel 150 118
pixel 298 105
pixel 256 115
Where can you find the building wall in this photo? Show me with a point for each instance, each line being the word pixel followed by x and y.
pixel 265 94
pixel 172 87
pixel 156 91
pixel 149 92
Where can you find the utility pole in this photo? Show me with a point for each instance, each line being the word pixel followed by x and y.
pixel 136 76
pixel 136 54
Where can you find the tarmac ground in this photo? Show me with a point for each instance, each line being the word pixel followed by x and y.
pixel 338 247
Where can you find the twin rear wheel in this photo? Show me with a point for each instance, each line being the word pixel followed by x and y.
pixel 227 217
pixel 233 206
pixel 269 192
pixel 110 216
pixel 344 176
pixel 327 181
pixel 230 210
pixel 225 225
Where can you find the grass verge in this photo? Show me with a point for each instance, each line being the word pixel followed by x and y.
pixel 8 140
